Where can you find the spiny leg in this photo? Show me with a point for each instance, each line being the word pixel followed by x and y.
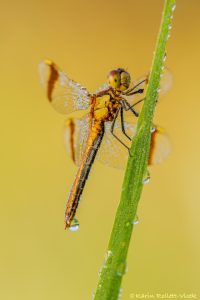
pixel 130 107
pixel 138 102
pixel 127 107
pixel 112 131
pixel 122 123
pixel 140 91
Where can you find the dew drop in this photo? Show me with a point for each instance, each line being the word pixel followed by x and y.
pixel 168 36
pixel 170 27
pixel 136 220
pixel 120 294
pixel 153 129
pixel 126 269
pixel 74 225
pixel 100 271
pixel 121 269
pixel 147 178
pixel 158 90
pixel 107 256
pixel 174 7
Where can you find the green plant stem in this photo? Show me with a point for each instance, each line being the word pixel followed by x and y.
pixel 115 262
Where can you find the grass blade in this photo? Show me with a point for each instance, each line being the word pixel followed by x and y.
pixel 115 263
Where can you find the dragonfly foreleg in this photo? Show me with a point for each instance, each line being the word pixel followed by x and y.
pixel 112 132
pixel 140 91
pixel 122 123
pixel 127 107
pixel 138 102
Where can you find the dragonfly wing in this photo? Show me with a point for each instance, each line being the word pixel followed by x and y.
pixel 142 83
pixel 75 137
pixel 114 154
pixel 103 87
pixel 165 82
pixel 160 146
pixel 64 94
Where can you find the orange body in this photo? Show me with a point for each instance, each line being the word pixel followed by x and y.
pixel 92 145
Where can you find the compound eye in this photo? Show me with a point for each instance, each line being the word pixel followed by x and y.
pixel 125 79
pixel 114 79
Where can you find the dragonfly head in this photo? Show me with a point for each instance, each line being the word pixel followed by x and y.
pixel 119 79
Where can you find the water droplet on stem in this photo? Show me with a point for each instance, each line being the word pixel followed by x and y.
pixel 136 220
pixel 174 7
pixel 147 178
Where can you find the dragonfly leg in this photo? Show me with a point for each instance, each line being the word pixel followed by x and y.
pixel 138 102
pixel 127 107
pixel 132 89
pixel 122 123
pixel 112 131
pixel 131 106
pixel 140 91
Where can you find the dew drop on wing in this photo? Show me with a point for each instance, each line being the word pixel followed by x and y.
pixel 74 225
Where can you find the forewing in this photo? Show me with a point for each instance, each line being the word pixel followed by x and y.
pixel 114 154
pixel 103 87
pixel 75 136
pixel 64 94
pixel 142 83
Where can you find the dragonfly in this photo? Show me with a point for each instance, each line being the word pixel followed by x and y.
pixel 107 126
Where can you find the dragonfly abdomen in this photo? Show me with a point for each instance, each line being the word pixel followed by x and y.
pixel 92 146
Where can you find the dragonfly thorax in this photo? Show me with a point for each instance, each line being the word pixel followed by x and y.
pixel 119 79
pixel 106 106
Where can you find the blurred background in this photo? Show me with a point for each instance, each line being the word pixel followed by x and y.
pixel 38 259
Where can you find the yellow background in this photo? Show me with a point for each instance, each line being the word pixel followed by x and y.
pixel 38 259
